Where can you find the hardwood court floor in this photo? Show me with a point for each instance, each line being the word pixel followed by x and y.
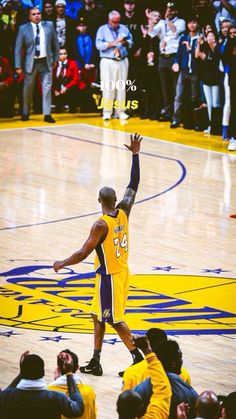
pixel 182 236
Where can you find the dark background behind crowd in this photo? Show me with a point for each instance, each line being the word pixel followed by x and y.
pixel 182 59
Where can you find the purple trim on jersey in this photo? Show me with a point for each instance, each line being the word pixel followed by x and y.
pixel 106 298
pixel 102 268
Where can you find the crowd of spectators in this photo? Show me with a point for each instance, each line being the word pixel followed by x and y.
pixel 156 387
pixel 177 58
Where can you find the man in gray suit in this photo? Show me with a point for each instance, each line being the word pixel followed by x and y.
pixel 41 52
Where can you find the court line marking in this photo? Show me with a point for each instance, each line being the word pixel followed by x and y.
pixel 120 131
pixel 158 139
pixel 205 288
pixel 179 181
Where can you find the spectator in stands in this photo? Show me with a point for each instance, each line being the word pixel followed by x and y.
pixel 170 356
pixel 6 37
pixel 169 31
pixel 41 54
pixel 6 88
pixel 188 83
pixel 209 56
pixel 136 373
pixel 85 59
pixel 133 20
pixel 93 15
pixel 229 58
pixel 15 14
pixel 225 9
pixel 113 41
pixel 48 12
pixel 60 384
pixel 150 84
pixel 72 8
pixel 130 404
pixel 206 29
pixel 232 31
pixel 224 30
pixel 65 82
pixel 208 405
pixel 228 407
pixel 84 46
pixel 65 28
pixel 204 12
pixel 27 396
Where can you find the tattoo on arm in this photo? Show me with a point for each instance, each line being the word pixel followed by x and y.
pixel 127 201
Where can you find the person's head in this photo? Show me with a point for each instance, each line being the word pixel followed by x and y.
pixel 171 10
pixel 60 360
pixel 203 3
pixel 224 27
pixel 32 367
pixel 35 15
pixel 192 24
pixel 114 19
pixel 130 405
pixel 89 2
pixel 107 197
pixel 207 28
pixel 81 25
pixel 228 405
pixel 170 355
pixel 63 54
pixel 156 336
pixel 60 6
pixel 208 405
pixel 129 6
pixel 232 31
pixel 156 16
pixel 48 9
pixel 211 38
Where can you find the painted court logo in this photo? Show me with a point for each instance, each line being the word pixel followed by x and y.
pixel 31 297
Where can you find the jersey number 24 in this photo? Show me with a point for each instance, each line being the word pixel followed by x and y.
pixel 121 244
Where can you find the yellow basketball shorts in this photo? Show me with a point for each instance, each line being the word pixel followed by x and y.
pixel 111 293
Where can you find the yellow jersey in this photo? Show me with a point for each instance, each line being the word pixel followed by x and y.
pixel 88 396
pixel 112 253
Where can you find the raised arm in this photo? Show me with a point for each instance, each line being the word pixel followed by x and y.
pixel 98 233
pixel 231 9
pixel 159 405
pixel 71 406
pixel 130 193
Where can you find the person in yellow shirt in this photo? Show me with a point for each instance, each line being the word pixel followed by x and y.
pixel 170 355
pixel 86 391
pixel 109 236
pixel 130 404
pixel 139 372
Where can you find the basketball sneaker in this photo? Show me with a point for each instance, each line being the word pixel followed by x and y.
pixel 93 367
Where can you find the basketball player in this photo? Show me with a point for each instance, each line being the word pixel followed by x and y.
pixel 109 237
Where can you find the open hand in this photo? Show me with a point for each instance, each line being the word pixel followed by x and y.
pixel 135 142
pixel 65 362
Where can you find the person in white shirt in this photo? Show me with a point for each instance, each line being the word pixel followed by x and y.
pixel 169 31
pixel 225 9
